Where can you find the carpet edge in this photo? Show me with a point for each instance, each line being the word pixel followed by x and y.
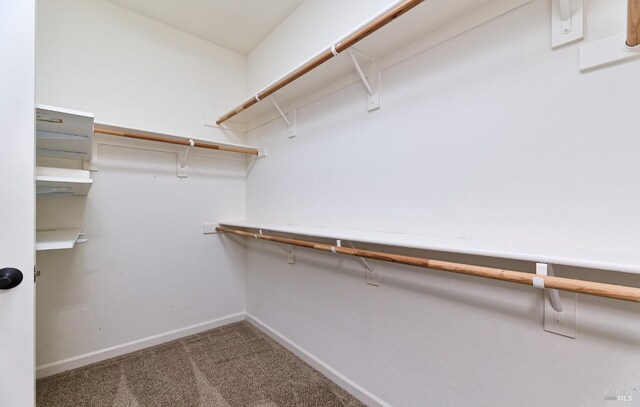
pixel 75 362
pixel 332 374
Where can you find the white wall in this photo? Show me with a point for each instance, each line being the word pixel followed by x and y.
pixel 490 136
pixel 133 71
pixel 309 29
pixel 147 270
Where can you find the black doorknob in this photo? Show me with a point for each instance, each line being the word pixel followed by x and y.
pixel 9 278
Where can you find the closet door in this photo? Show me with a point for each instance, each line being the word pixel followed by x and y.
pixel 17 83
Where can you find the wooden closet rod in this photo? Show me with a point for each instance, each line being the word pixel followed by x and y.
pixel 326 55
pixel 179 141
pixel 633 23
pixel 565 284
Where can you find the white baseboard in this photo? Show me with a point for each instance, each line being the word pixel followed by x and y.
pixel 119 350
pixel 75 362
pixel 338 378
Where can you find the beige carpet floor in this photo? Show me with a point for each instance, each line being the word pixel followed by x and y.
pixel 236 365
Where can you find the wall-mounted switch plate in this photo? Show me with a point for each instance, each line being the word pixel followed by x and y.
pixel 561 323
pixel 291 256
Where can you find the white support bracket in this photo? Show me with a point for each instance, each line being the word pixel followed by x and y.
pixel 567 22
pixel 371 79
pixel 291 254
pixel 290 121
pixel 373 268
pixel 338 244
pixel 82 238
pixel 364 261
pixel 559 308
pixel 544 269
pixel 182 161
pixel 607 51
pixel 93 164
pixel 209 229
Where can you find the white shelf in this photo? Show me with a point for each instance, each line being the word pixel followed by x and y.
pixel 444 15
pixel 63 133
pixel 620 261
pixel 109 126
pixel 57 239
pixel 62 182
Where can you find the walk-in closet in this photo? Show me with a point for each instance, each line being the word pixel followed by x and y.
pixel 271 203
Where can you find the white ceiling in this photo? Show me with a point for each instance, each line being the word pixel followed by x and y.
pixel 238 25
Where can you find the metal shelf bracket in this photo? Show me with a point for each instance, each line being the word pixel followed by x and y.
pixel 364 261
pixel 544 269
pixel 290 121
pixel 567 22
pixel 370 79
pixel 82 238
pixel 373 269
pixel 182 161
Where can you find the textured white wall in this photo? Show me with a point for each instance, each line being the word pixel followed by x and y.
pixel 310 28
pixel 490 135
pixel 147 269
pixel 132 71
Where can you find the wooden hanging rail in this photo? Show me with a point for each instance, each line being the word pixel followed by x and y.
pixel 179 141
pixel 326 55
pixel 633 23
pixel 565 284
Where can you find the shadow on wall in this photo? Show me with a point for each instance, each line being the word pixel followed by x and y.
pixel 498 297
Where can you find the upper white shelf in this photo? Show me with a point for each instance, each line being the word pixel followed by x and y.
pixel 415 23
pixel 63 133
pixel 626 262
pixel 128 132
pixel 57 239
pixel 62 182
